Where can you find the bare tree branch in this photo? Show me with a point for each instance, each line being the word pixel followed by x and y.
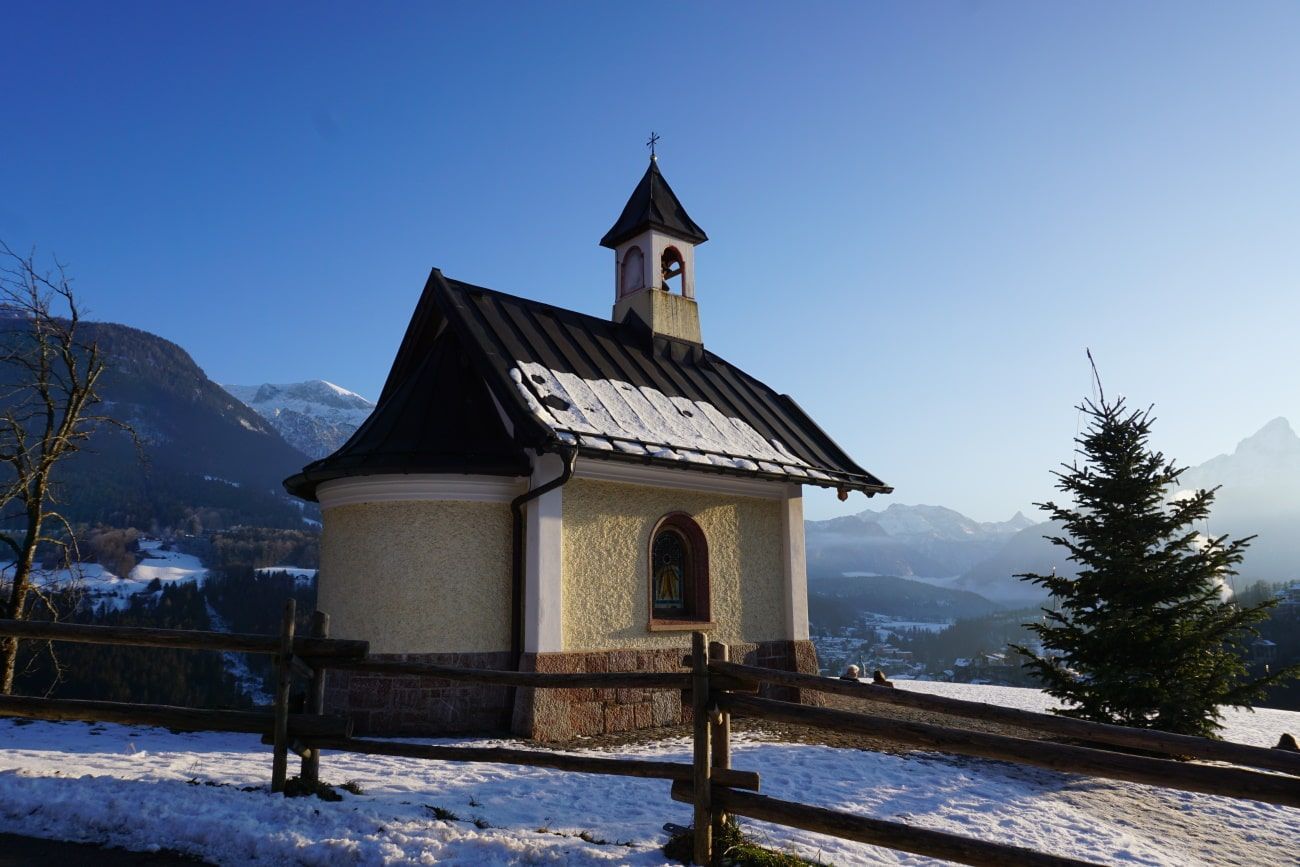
pixel 50 379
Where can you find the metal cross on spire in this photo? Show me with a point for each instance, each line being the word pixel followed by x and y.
pixel 651 142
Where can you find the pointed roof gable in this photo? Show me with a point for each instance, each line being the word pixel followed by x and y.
pixel 483 376
pixel 653 205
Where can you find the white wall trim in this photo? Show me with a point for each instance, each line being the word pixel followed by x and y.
pixel 684 479
pixel 544 562
pixel 418 486
pixel 795 562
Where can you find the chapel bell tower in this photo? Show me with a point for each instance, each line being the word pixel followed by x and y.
pixel 654 242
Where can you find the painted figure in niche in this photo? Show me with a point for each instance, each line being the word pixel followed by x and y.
pixel 669 557
pixel 669 584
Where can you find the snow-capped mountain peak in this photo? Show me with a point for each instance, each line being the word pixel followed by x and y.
pixel 1274 438
pixel 311 396
pixel 314 416
pixel 938 522
pixel 1266 461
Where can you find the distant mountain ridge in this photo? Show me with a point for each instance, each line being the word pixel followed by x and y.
pixel 315 416
pixel 939 522
pixel 905 541
pixel 1267 462
pixel 1257 495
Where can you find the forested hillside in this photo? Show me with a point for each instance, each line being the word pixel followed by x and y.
pixel 203 460
pixel 238 593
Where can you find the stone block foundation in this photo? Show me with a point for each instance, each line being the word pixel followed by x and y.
pixel 562 714
pixel 409 705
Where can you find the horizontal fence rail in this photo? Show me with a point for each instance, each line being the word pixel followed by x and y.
pixel 181 639
pixel 877 832
pixel 168 716
pixel 1210 780
pixel 535 758
pixel 536 679
pixel 1140 739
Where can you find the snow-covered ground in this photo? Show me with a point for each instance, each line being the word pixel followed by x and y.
pixel 102 586
pixel 144 788
pixel 167 566
pixel 1260 727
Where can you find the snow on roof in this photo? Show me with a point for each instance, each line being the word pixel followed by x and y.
pixel 612 415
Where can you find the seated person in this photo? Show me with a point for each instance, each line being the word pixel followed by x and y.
pixel 850 673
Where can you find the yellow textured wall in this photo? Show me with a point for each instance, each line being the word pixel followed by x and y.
pixel 607 529
pixel 418 577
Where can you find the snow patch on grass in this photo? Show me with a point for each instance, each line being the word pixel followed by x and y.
pixel 104 587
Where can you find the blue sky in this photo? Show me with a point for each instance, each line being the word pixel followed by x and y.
pixel 920 213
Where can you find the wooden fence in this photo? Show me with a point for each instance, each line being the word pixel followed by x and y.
pixel 719 688
pixel 306 656
pixel 725 688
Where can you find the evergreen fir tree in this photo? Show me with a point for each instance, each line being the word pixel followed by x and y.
pixel 1142 636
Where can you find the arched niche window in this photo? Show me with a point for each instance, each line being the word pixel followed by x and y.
pixel 679 571
pixel 672 267
pixel 632 277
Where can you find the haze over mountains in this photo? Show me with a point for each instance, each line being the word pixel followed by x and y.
pixel 906 541
pixel 928 543
pixel 1258 495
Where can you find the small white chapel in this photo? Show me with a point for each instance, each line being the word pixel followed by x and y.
pixel 543 490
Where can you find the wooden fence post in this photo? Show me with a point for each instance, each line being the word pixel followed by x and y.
pixel 284 675
pixel 720 736
pixel 702 771
pixel 320 628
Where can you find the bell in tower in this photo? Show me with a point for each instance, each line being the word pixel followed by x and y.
pixel 654 242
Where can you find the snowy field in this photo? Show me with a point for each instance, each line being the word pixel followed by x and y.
pixel 1258 728
pixel 166 566
pixel 104 587
pixel 143 788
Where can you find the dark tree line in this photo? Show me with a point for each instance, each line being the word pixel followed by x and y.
pixel 241 598
pixel 134 674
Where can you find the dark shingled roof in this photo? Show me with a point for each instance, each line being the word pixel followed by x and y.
pixel 653 205
pixel 474 361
